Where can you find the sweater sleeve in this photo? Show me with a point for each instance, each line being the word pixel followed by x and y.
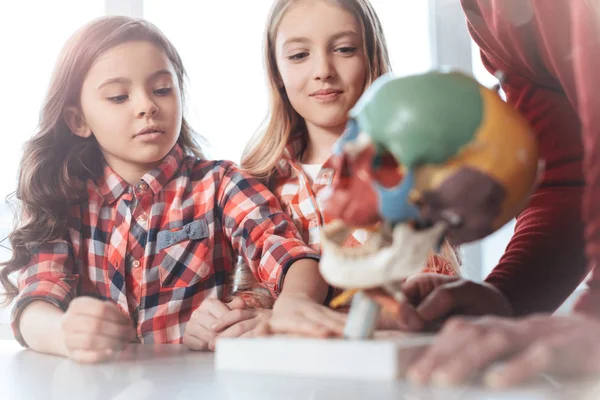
pixel 586 58
pixel 531 42
pixel 545 259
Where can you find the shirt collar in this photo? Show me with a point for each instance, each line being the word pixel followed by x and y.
pixel 112 186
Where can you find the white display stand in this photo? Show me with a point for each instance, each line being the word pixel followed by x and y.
pixel 385 357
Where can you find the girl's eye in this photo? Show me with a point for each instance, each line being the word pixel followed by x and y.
pixel 163 91
pixel 118 99
pixel 346 50
pixel 298 56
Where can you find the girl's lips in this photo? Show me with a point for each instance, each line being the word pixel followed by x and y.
pixel 325 92
pixel 150 129
pixel 149 136
pixel 326 95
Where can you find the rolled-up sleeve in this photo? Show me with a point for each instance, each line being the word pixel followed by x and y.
pixel 49 276
pixel 259 229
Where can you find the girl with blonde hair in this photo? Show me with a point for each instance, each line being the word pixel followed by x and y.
pixel 316 73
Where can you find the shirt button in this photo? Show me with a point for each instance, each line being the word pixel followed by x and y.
pixel 142 186
pixel 143 217
pixel 136 264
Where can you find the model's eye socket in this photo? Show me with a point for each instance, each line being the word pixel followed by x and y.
pixel 386 170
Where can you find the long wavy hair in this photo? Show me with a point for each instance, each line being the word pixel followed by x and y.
pixel 282 120
pixel 56 162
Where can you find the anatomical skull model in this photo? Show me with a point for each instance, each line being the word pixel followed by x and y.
pixel 423 158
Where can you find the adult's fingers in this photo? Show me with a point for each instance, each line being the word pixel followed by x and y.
pixel 456 334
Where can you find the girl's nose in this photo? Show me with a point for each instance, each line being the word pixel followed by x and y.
pixel 148 109
pixel 324 69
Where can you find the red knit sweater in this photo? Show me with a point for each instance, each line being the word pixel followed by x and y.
pixel 549 52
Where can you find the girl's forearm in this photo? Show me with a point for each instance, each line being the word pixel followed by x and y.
pixel 303 278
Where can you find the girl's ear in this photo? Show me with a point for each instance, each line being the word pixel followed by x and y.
pixel 76 122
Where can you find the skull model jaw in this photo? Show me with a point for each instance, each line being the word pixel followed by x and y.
pixel 389 254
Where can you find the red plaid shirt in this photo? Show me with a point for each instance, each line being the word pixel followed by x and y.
pixel 303 200
pixel 162 246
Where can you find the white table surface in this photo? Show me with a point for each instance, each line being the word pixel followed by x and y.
pixel 173 372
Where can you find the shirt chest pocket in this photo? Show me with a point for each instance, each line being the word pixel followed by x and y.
pixel 183 255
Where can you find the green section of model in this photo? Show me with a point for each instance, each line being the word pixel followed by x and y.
pixel 425 118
